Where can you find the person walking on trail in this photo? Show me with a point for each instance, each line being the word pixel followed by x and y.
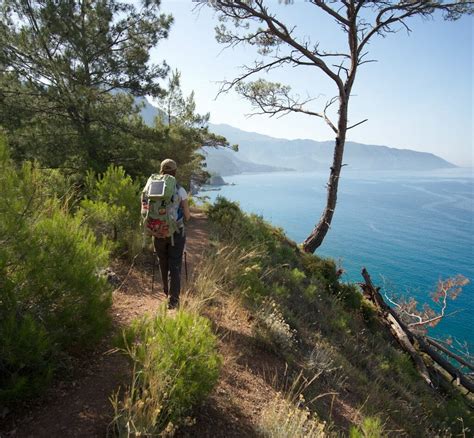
pixel 166 208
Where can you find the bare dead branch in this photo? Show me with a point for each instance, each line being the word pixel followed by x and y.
pixel 325 7
pixel 258 11
pixel 400 11
pixel 357 124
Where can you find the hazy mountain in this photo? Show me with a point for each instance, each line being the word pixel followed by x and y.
pixel 225 162
pixel 219 161
pixel 263 153
pixel 304 154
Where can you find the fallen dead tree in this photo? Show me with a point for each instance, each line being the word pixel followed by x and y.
pixel 418 346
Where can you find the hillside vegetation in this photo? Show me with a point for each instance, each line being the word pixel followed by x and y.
pixel 267 340
pixel 342 365
pixel 52 301
pixel 257 309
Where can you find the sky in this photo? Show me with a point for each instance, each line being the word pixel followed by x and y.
pixel 418 95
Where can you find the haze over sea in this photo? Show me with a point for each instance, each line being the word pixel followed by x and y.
pixel 407 229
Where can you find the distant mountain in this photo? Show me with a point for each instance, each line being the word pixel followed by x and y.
pixel 225 162
pixel 219 161
pixel 304 154
pixel 262 153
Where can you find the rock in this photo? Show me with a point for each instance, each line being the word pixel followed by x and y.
pixel 216 180
pixel 111 276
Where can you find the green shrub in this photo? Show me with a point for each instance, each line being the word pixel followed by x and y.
pixel 176 365
pixel 25 356
pixel 249 281
pixel 112 206
pixel 232 225
pixel 457 416
pixel 52 183
pixel 61 268
pixel 51 299
pixel 350 296
pixel 368 313
pixel 322 269
pixel 371 427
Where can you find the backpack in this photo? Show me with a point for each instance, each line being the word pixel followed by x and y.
pixel 160 205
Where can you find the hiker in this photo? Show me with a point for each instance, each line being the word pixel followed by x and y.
pixel 165 205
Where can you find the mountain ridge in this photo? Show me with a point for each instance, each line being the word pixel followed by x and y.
pixel 264 153
pixel 308 154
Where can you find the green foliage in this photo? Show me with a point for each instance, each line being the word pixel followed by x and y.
pixel 369 314
pixel 371 427
pixel 350 295
pixel 249 281
pixel 112 205
pixel 232 225
pixel 320 268
pixel 176 365
pixel 90 55
pixel 51 299
pixel 456 416
pixel 61 268
pixel 278 269
pixel 334 332
pixel 401 364
pixel 25 356
pixel 95 59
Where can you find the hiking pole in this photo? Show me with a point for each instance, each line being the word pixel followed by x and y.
pixel 186 265
pixel 153 273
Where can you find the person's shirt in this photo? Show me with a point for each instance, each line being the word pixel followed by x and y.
pixel 182 196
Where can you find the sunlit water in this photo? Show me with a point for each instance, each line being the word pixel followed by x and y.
pixel 409 230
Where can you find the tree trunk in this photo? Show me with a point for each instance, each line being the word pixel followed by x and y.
pixel 314 240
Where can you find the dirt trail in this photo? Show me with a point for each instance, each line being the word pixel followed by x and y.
pixel 80 406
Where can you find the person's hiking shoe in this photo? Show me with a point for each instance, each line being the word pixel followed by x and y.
pixel 172 306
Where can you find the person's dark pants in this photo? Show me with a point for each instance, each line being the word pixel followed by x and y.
pixel 171 257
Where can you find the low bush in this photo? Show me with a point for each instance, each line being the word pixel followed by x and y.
pixel 371 427
pixel 176 365
pixel 112 207
pixel 51 299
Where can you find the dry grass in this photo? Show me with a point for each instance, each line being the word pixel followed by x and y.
pixel 271 330
pixel 282 419
pixel 288 415
pixel 215 276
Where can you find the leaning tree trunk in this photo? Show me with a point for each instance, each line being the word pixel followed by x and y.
pixel 314 240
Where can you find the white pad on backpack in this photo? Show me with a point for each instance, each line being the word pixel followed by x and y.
pixel 156 189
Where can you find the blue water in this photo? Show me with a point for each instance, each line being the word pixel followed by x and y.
pixel 407 229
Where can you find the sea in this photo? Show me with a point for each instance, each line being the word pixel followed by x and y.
pixel 409 229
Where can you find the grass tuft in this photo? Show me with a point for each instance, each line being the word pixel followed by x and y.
pixel 175 366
